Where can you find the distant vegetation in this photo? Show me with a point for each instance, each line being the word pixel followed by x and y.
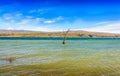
pixel 78 34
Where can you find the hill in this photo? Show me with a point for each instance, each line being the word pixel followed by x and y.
pixel 23 33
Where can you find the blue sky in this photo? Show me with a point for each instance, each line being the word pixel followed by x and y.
pixel 59 15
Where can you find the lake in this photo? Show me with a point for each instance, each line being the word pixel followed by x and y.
pixel 28 56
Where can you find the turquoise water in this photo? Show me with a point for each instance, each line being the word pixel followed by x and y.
pixel 83 57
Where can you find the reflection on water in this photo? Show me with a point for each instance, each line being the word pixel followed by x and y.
pixel 51 58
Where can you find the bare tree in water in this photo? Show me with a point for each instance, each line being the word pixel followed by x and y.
pixel 65 35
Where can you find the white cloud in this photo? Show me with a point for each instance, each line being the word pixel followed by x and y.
pixel 111 27
pixel 18 15
pixel 103 23
pixel 39 19
pixel 49 21
pixel 34 28
pixel 25 21
pixel 40 11
pixel 12 16
pixel 10 28
pixel 59 18
pixel 9 21
pixel 7 16
pixel 12 21
pixel 21 22
pixel 53 20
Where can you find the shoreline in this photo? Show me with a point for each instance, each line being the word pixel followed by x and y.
pixel 55 38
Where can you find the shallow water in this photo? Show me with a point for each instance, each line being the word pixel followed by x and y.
pixel 49 57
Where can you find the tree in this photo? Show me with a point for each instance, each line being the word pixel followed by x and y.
pixel 65 35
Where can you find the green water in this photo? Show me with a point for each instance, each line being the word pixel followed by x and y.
pixel 88 57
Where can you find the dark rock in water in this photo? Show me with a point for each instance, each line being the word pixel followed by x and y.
pixel 11 59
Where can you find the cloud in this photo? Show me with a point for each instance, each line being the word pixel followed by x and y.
pixel 8 20
pixel 40 11
pixel 34 28
pixel 10 28
pixel 49 21
pixel 103 23
pixel 11 16
pixel 111 27
pixel 59 18
pixel 19 21
pixel 19 18
pixel 28 21
pixel 53 20
pixel 25 21
pixel 39 19
pixel 7 16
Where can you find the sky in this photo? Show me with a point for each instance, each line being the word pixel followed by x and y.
pixel 60 15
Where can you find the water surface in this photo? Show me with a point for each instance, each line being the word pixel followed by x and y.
pixel 49 57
